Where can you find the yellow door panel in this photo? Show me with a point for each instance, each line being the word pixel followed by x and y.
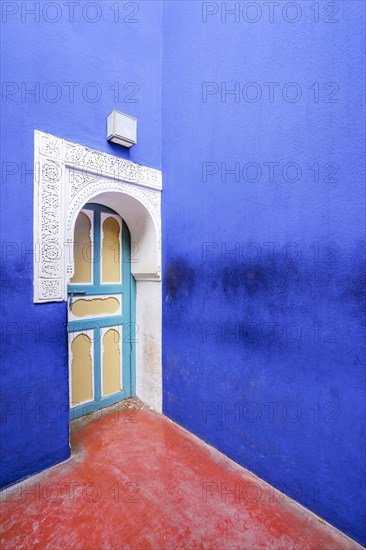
pixel 95 307
pixel 111 251
pixel 111 362
pixel 82 250
pixel 81 369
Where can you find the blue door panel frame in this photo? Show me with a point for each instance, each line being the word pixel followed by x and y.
pixel 126 292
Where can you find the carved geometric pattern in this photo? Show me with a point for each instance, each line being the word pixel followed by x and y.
pixel 87 186
pixel 50 290
pixel 67 175
pixel 91 161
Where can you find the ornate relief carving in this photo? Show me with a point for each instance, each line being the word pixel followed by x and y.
pixel 50 221
pixel 79 181
pixel 119 169
pixel 87 186
pixel 153 197
pixel 67 175
pixel 50 146
pixel 50 290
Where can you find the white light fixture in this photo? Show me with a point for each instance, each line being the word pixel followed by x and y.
pixel 121 128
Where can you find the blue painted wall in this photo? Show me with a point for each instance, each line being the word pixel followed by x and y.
pixel 262 347
pixel 113 62
pixel 263 339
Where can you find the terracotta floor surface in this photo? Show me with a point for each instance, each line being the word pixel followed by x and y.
pixel 136 480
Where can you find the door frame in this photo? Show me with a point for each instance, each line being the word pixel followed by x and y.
pixel 66 177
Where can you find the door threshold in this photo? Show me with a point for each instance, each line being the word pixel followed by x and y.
pixel 130 403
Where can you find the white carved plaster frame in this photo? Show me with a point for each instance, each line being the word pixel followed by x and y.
pixel 67 176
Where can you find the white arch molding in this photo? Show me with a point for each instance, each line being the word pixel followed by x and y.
pixel 66 177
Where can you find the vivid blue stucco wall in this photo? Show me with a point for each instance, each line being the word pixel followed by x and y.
pixel 263 348
pixel 120 53
pixel 272 332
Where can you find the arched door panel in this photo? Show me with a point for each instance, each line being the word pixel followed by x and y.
pixel 101 302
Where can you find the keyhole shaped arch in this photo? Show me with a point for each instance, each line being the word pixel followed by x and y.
pixel 67 176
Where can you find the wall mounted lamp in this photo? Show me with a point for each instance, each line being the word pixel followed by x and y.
pixel 121 128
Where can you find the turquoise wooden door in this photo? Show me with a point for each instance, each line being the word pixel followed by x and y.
pixel 101 313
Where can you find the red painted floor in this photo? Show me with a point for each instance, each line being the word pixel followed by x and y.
pixel 138 481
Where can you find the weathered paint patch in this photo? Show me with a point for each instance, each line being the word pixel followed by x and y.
pixel 179 278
